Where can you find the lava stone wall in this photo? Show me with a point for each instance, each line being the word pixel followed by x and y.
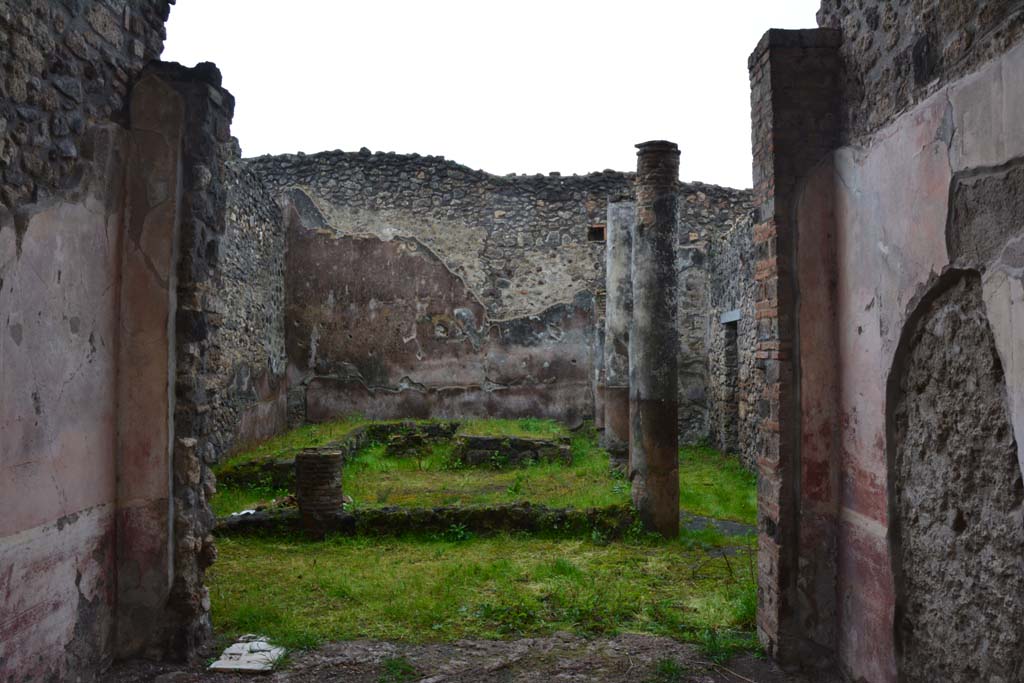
pixel 247 356
pixel 65 66
pixel 519 242
pixel 958 507
pixel 896 54
pixel 512 250
pixel 383 328
pixel 715 262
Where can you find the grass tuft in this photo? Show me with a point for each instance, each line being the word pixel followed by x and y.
pixel 397 670
pixel 667 671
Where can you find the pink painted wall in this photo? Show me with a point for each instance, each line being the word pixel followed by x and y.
pixel 148 288
pixel 58 407
pixel 86 404
pixel 889 200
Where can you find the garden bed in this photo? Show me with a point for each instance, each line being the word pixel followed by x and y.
pixel 611 522
pixel 432 548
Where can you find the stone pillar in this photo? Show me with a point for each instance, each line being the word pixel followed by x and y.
pixel 618 311
pixel 795 98
pixel 146 352
pixel 318 486
pixel 654 342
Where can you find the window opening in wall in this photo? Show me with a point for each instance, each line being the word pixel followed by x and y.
pixel 596 232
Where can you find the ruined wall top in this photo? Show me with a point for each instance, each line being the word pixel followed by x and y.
pixel 522 243
pixel 307 167
pixel 897 53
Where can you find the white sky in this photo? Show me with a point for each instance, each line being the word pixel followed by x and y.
pixel 530 86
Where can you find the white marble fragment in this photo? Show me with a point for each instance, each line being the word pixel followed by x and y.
pixel 251 653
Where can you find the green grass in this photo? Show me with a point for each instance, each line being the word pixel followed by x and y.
pixel 230 499
pixel 458 585
pixel 419 589
pixel 373 478
pixel 397 670
pixel 293 441
pixel 716 485
pixel 667 671
pixel 320 434
pixel 710 484
pixel 528 428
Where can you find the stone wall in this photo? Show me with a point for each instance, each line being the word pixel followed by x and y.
pixel 715 257
pixel 958 495
pixel 513 251
pixel 385 329
pixel 518 242
pixel 128 298
pixel 58 424
pixel 916 227
pixel 68 497
pixel 909 191
pixel 206 145
pixel 898 53
pixel 65 66
pixel 247 357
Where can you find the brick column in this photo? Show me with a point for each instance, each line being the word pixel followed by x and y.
pixel 654 341
pixel 318 486
pixel 794 100
pixel 618 311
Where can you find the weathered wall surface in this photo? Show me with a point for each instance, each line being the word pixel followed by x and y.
pixel 715 266
pixel 518 248
pixel 518 242
pixel 447 289
pixel 896 195
pixel 58 426
pixel 66 65
pixel 204 177
pixel 385 329
pixel 145 374
pixel 958 508
pixel 247 356
pixel 67 69
pixel 898 53
pixel 113 288
pixel 794 102
pixel 934 188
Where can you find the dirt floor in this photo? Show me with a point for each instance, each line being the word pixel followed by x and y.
pixel 561 658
